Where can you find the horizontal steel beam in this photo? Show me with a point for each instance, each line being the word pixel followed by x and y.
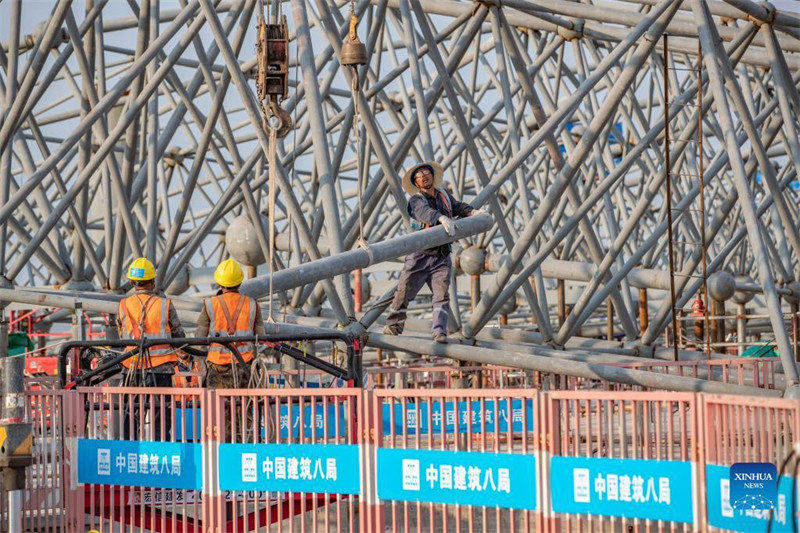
pixel 684 40
pixel 350 260
pixel 547 363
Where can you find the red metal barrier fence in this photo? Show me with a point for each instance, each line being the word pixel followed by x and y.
pixel 749 371
pixel 660 426
pixel 46 479
pixel 746 429
pixel 281 419
pixel 401 460
pixel 486 421
pixel 138 414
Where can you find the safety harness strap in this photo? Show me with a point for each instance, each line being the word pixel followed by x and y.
pixel 231 318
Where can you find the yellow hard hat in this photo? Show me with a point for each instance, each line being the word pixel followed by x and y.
pixel 141 270
pixel 229 274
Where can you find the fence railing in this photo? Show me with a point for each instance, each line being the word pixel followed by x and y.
pixel 120 459
pixel 46 479
pixel 749 371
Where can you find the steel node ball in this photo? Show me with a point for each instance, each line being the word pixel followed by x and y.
pixel 721 286
pixel 242 242
pixel 473 261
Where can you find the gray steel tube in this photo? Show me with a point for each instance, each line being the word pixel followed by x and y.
pixel 546 363
pixel 644 278
pixel 328 267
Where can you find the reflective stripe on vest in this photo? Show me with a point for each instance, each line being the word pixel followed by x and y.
pixel 146 318
pixel 219 326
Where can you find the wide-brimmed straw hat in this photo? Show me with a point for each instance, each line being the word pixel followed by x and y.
pixel 408 177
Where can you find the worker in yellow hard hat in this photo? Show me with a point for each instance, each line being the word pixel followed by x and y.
pixel 143 313
pixel 229 314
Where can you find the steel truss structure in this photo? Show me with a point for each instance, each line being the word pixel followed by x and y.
pixel 133 128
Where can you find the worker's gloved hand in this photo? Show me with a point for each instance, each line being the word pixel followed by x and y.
pixel 480 211
pixel 448 225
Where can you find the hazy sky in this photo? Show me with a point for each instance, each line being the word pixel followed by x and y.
pixel 792 5
pixel 30 17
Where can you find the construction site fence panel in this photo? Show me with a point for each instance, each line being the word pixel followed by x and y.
pixel 757 372
pixel 170 460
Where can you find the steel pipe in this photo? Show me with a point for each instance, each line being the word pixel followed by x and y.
pixel 554 365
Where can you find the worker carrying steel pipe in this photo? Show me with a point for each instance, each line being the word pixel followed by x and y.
pixel 429 204
pixel 228 314
pixel 140 315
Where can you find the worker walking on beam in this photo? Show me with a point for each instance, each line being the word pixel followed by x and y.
pixel 142 315
pixel 228 314
pixel 429 205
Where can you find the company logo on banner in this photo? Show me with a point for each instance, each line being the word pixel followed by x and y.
pixel 632 488
pixel 723 514
pixel 315 468
pixel 753 485
pixel 465 478
pixel 477 416
pixel 169 465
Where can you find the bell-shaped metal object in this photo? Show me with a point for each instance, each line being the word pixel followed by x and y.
pixel 354 52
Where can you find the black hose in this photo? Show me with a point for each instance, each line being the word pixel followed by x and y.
pixel 784 463
pixel 277 341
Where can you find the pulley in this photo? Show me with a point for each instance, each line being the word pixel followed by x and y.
pixel 354 52
pixel 272 50
pixel 272 81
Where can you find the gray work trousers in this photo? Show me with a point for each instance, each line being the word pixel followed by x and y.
pixel 420 269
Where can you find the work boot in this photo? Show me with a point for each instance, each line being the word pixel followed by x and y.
pixel 441 338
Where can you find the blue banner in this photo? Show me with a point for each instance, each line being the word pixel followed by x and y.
pixel 632 488
pixel 323 381
pixel 424 417
pixel 186 424
pixel 464 478
pixel 315 416
pixel 169 465
pixel 314 468
pixel 721 513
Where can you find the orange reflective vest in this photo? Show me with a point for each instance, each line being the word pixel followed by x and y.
pixel 183 379
pixel 230 314
pixel 146 316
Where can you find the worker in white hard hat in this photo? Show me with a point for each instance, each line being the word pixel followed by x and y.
pixel 429 205
pixel 229 314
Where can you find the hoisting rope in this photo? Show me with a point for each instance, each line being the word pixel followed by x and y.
pixel 278 122
pixel 359 163
pixel 361 151
pixel 293 178
pixel 272 155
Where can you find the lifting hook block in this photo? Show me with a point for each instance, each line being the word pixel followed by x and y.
pixel 278 119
